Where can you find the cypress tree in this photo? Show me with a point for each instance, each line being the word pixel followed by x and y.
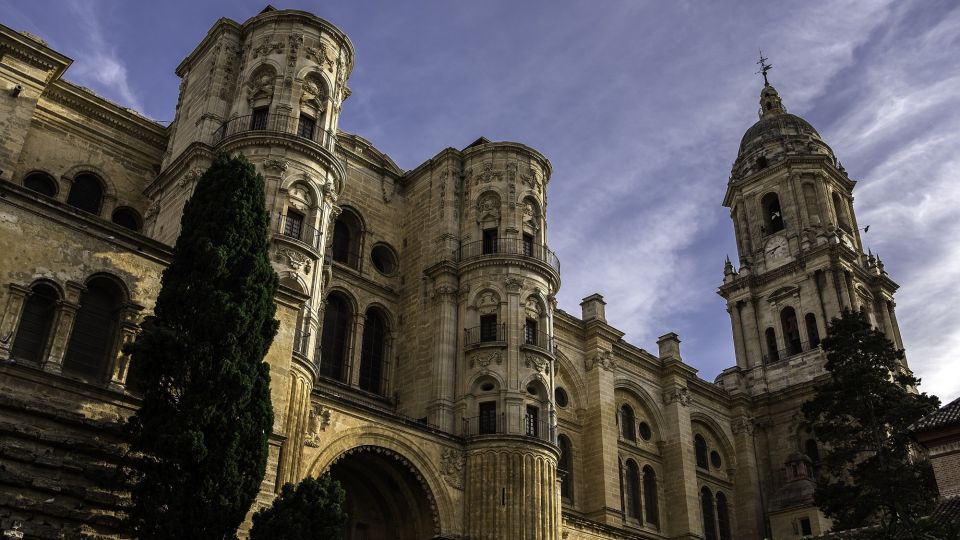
pixel 202 430
pixel 312 509
pixel 862 415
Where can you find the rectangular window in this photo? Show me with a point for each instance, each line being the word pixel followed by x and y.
pixel 258 120
pixel 293 224
pixel 488 328
pixel 805 529
pixel 528 245
pixel 530 332
pixel 533 423
pixel 305 127
pixel 488 417
pixel 489 241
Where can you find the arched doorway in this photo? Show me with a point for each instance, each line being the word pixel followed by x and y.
pixel 387 499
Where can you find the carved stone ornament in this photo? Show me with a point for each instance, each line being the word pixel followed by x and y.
pixel 484 360
pixel 267 47
pixel 603 358
pixel 488 208
pixel 451 466
pixel 445 293
pixel 275 164
pixel 742 424
pixel 487 174
pixel 535 362
pixel 488 303
pixel 678 394
pixel 152 210
pixel 295 260
pixel 513 284
pixel 260 86
pixel 313 94
pixel 316 424
pixel 324 55
pixel 191 176
pixel 532 307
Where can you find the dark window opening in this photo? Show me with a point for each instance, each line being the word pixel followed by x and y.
pixel 650 496
pixel 772 353
pixel 41 183
pixel 333 339
pixel 127 218
pixel 305 127
pixel 489 241
pixel 628 423
pixel 560 397
pixel 632 491
pixel 812 332
pixel 565 468
pixel 488 417
pixel 384 260
pixel 791 330
pixel 347 231
pixel 372 352
pixel 840 209
pixel 813 452
pixel 723 516
pixel 488 328
pixel 772 215
pixel 805 528
pixel 33 332
pixel 528 245
pixel 293 225
pixel 700 449
pixel 533 421
pixel 94 335
pixel 709 521
pixel 762 162
pixel 645 431
pixel 86 194
pixel 715 459
pixel 258 120
pixel 530 332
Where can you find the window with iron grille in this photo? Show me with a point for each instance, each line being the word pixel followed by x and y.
pixel 488 417
pixel 533 421
pixel 305 127
pixel 293 225
pixel 530 332
pixel 489 241
pixel 528 245
pixel 258 120
pixel 488 328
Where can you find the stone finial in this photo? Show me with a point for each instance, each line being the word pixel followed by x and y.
pixel 728 272
pixel 669 346
pixel 592 308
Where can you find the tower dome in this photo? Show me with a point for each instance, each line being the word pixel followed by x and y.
pixel 774 136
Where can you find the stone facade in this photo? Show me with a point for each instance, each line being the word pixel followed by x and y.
pixel 421 358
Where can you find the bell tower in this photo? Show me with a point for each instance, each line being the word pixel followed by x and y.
pixel 801 263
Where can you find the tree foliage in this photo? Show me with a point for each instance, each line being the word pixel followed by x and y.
pixel 862 415
pixel 313 509
pixel 206 415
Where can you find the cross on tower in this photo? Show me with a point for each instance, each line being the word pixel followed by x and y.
pixel 764 68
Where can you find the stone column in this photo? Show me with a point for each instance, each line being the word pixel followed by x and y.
pixel 16 299
pixel 747 481
pixel 440 411
pixel 128 333
pixel 737 325
pixel 752 338
pixel 681 501
pixel 352 368
pixel 64 326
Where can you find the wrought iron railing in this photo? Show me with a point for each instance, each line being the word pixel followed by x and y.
pixel 507 246
pixel 527 425
pixel 304 233
pixel 478 335
pixel 799 347
pixel 301 342
pixel 537 338
pixel 276 123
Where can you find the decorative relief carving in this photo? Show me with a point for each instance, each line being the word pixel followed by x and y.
pixel 513 284
pixel 487 174
pixel 313 94
pixel 678 394
pixel 189 177
pixel 603 358
pixel 275 164
pixel 532 307
pixel 488 208
pixel 261 86
pixel 295 260
pixel 742 424
pixel 488 303
pixel 535 362
pixel 316 424
pixel 152 211
pixel 446 293
pixel 484 360
pixel 324 55
pixel 267 47
pixel 451 466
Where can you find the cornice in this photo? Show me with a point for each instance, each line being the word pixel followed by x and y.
pixel 34 52
pixel 309 148
pixel 519 261
pixel 516 147
pixel 386 164
pixel 178 167
pixel 822 162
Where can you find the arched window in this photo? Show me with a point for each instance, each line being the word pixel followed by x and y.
pixel 334 338
pixel 346 239
pixel 840 209
pixel 373 351
pixel 709 521
pixel 86 193
pixel 127 217
pixel 812 332
pixel 700 449
pixel 33 333
pixel 631 490
pixel 95 330
pixel 791 330
pixel 40 182
pixel 565 468
pixel 813 452
pixel 772 215
pixel 723 516
pixel 772 354
pixel 650 496
pixel 628 423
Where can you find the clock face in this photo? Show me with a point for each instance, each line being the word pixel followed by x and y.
pixel 776 249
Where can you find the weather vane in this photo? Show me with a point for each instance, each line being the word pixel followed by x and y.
pixel 764 68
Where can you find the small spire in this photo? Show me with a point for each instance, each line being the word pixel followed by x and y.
pixel 764 68
pixel 770 103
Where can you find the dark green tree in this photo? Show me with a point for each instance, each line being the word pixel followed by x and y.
pixel 862 415
pixel 313 509
pixel 201 433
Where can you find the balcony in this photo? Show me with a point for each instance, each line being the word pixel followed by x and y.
pixel 538 340
pixel 276 123
pixel 795 349
pixel 527 425
pixel 478 336
pixel 298 230
pixel 507 246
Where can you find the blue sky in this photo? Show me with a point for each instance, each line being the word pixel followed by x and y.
pixel 640 105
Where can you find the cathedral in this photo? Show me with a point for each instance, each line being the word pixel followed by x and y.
pixel 421 359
